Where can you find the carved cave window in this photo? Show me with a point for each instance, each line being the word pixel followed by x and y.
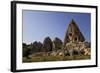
pixel 75 39
pixel 70 34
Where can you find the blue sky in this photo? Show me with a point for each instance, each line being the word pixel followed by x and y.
pixel 39 24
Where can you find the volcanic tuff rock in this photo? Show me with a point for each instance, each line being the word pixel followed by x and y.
pixel 73 34
pixel 57 44
pixel 47 44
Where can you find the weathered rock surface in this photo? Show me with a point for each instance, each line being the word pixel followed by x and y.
pixel 57 44
pixel 47 45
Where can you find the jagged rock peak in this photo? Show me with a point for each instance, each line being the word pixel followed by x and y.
pixel 73 34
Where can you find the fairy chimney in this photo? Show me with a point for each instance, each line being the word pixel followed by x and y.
pixel 73 34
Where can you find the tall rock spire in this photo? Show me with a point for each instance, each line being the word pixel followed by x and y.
pixel 73 34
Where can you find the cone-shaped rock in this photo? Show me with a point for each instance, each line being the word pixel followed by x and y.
pixel 57 44
pixel 73 34
pixel 47 44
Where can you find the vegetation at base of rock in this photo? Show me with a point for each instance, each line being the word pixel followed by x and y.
pixel 26 50
pixel 54 58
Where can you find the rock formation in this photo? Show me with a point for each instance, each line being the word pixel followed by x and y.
pixel 36 47
pixel 74 40
pixel 57 44
pixel 73 34
pixel 74 44
pixel 47 44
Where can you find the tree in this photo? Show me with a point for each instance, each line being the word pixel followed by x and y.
pixel 26 50
pixel 47 45
pixel 57 44
pixel 24 45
